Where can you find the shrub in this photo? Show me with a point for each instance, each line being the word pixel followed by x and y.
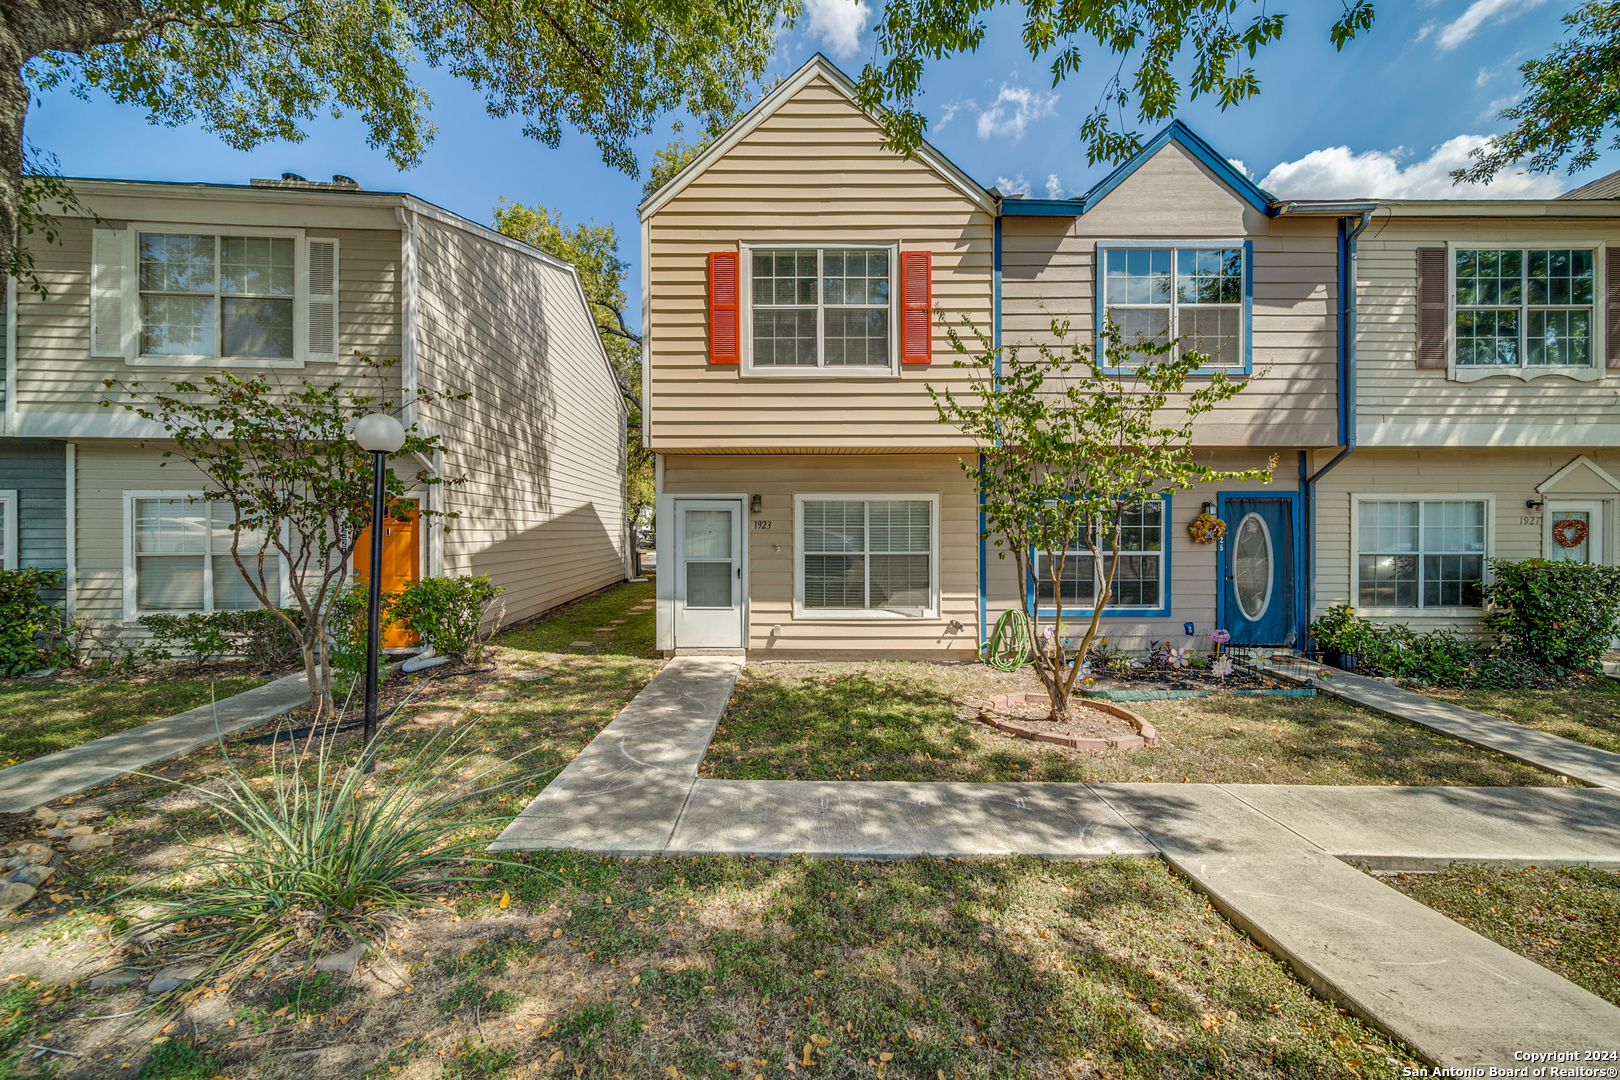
pixel 30 627
pixel 346 627
pixel 1558 615
pixel 200 635
pixel 447 612
pixel 263 639
pixel 1339 630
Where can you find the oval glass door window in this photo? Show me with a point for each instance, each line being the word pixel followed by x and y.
pixel 1251 567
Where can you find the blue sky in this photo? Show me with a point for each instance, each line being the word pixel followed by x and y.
pixel 1388 116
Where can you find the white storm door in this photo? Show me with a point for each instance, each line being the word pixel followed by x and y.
pixel 708 573
pixel 1580 524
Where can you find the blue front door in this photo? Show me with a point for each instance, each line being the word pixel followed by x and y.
pixel 1257 559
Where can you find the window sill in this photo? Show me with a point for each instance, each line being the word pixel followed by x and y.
pixel 1109 611
pixel 1407 612
pixel 1472 373
pixel 822 373
pixel 811 615
pixel 214 362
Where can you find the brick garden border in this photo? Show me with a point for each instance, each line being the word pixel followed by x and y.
pixel 1147 734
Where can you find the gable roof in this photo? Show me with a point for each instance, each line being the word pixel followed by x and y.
pixel 1173 132
pixel 817 65
pixel 1604 187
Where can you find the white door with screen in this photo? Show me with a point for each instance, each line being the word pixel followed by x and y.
pixel 1575 531
pixel 708 574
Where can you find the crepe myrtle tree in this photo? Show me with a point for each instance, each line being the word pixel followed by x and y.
pixel 1071 441
pixel 298 486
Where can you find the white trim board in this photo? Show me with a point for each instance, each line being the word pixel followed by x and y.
pixel 8 529
pixel 1551 482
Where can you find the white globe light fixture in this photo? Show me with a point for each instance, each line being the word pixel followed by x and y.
pixel 382 435
pixel 379 433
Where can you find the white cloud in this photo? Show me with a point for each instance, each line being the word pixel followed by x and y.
pixel 1013 110
pixel 1337 173
pixel 1478 14
pixel 1016 186
pixel 1054 188
pixel 838 24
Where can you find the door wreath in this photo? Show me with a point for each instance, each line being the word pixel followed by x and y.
pixel 1570 533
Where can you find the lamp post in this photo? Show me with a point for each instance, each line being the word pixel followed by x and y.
pixel 382 435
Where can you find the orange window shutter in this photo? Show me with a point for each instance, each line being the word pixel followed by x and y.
pixel 724 316
pixel 1431 344
pixel 916 306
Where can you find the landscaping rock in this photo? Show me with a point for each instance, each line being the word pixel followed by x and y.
pixel 30 875
pixel 343 962
pixel 114 979
pixel 30 855
pixel 14 896
pixel 171 978
pixel 582 644
pixel 68 819
pixel 89 842
pixel 45 816
pixel 531 675
pixel 494 695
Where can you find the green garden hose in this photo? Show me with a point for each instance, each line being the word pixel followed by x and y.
pixel 1009 647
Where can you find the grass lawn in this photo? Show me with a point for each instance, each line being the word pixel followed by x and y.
pixel 721 967
pixel 1587 710
pixel 43 716
pixel 1566 919
pixel 915 721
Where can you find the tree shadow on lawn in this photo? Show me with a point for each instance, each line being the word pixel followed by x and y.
pixel 903 724
pixel 968 967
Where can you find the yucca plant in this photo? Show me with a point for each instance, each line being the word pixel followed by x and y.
pixel 325 854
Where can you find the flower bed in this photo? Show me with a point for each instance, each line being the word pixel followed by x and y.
pixel 1065 732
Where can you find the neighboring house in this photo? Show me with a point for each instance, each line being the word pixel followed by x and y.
pixel 297 280
pixel 1487 380
pixel 796 277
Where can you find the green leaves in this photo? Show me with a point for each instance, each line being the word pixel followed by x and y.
pixel 1162 53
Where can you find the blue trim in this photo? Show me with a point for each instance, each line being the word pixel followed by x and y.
pixel 1043 207
pixel 1180 133
pixel 1344 273
pixel 984 569
pixel 1220 554
pixel 1139 612
pixel 1100 283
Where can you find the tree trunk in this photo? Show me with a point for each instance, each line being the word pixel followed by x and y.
pixel 30 28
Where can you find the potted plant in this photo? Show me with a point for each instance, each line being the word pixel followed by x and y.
pixel 1339 635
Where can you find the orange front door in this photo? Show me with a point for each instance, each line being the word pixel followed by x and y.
pixel 400 564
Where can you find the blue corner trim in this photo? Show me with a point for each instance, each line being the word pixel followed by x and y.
pixel 1344 276
pixel 1248 307
pixel 1166 561
pixel 1180 133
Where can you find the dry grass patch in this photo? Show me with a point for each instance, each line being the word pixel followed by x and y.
pixel 917 722
pixel 1585 709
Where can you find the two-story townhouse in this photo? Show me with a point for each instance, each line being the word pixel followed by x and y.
pixel 798 276
pixel 1486 382
pixel 297 280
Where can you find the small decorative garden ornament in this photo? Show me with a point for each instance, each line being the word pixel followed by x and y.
pixel 1206 529
pixel 1177 658
pixel 1221 668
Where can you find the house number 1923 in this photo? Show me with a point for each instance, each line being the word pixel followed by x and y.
pixel 762 525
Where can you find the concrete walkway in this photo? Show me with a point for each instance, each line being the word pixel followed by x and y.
pixel 68 772
pixel 1556 754
pixel 1272 858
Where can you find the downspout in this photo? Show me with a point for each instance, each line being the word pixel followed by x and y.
pixel 1347 399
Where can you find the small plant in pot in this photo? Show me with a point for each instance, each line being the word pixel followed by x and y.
pixel 1340 635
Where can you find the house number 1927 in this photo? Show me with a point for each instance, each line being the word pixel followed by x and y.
pixel 761 525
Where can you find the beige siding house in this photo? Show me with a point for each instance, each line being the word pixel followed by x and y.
pixel 298 280
pixel 797 278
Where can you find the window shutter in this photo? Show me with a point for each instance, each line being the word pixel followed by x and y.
pixel 323 300
pixel 1611 307
pixel 916 306
pixel 107 293
pixel 1431 348
pixel 724 331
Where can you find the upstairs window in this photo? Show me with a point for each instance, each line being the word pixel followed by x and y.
pixel 1196 295
pixel 820 308
pixel 1529 308
pixel 216 295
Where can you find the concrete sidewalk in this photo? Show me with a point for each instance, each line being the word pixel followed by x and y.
pixel 1556 754
pixel 68 772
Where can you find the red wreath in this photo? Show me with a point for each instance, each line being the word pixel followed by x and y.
pixel 1570 533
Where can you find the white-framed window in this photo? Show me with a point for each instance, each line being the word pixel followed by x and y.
pixel 820 308
pixel 172 295
pixel 8 530
pixel 1141 580
pixel 866 556
pixel 177 556
pixel 1522 309
pixel 1421 552
pixel 1196 293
